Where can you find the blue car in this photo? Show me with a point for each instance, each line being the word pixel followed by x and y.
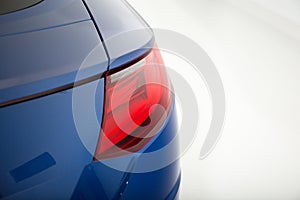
pixel 86 106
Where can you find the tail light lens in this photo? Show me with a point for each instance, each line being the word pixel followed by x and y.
pixel 137 102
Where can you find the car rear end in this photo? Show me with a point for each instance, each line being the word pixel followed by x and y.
pixel 86 105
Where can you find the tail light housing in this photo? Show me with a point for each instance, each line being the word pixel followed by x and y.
pixel 137 102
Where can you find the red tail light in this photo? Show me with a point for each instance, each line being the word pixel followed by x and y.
pixel 137 101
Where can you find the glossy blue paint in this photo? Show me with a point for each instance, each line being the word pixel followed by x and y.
pixel 42 48
pixel 43 60
pixel 104 182
pixel 42 16
pixel 33 167
pixel 123 31
pixel 46 125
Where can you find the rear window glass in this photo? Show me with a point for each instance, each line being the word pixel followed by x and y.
pixel 8 6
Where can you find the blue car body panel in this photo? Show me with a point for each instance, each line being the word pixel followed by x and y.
pixel 39 61
pixel 125 34
pixel 42 16
pixel 45 125
pixel 133 183
pixel 72 173
pixel 48 129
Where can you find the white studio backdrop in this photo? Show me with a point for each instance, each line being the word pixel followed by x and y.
pixel 255 46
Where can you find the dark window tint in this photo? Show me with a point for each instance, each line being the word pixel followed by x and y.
pixel 8 6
